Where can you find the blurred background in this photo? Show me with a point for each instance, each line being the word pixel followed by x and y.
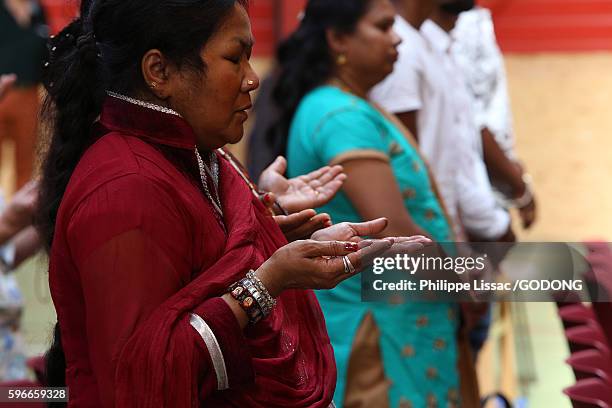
pixel 558 55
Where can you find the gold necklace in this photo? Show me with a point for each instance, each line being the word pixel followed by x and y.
pixel 343 86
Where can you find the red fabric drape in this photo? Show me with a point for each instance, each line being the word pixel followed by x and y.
pixel 289 349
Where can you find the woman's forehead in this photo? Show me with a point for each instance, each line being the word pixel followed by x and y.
pixel 237 25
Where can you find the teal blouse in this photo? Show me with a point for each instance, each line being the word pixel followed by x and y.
pixel 417 339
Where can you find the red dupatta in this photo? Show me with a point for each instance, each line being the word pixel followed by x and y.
pixel 292 357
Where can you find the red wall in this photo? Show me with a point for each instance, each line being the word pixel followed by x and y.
pixel 521 25
pixel 264 22
pixel 59 13
pixel 552 25
pixel 527 25
pixel 272 20
pixel 291 9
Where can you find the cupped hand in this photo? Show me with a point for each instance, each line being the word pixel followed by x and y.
pixel 348 231
pixel 408 245
pixel 356 232
pixel 317 265
pixel 308 191
pixel 302 225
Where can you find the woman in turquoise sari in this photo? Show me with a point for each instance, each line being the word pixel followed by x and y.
pixel 388 355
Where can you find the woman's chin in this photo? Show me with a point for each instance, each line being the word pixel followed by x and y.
pixel 235 136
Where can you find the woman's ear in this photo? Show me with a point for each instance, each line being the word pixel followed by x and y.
pixel 336 41
pixel 156 72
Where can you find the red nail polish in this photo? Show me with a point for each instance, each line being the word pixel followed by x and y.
pixel 351 246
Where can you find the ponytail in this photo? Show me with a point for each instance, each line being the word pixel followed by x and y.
pixel 73 102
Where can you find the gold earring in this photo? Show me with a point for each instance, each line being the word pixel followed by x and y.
pixel 250 82
pixel 341 59
pixel 153 85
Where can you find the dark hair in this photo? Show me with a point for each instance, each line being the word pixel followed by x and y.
pixel 98 52
pixel 458 6
pixel 305 60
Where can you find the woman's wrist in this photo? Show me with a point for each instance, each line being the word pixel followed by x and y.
pixel 239 313
pixel 250 294
pixel 270 280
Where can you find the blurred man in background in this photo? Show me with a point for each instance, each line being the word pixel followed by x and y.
pixel 478 57
pixel 421 92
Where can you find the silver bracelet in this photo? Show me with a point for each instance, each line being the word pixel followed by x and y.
pixel 268 301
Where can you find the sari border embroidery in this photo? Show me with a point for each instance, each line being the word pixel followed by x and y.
pixel 359 154
pixel 213 348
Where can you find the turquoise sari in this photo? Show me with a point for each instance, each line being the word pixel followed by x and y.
pixel 417 340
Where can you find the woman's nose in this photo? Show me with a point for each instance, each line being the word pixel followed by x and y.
pixel 251 82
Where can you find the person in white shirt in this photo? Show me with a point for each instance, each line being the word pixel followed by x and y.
pixel 477 54
pixel 421 92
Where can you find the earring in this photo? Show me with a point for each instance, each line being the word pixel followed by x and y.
pixel 341 59
pixel 250 82
pixel 153 85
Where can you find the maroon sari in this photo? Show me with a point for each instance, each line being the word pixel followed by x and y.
pixel 138 249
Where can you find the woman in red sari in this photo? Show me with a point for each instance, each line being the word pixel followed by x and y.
pixel 149 223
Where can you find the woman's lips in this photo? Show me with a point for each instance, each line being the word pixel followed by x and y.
pixel 244 113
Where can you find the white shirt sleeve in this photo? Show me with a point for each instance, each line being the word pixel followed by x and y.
pixel 480 212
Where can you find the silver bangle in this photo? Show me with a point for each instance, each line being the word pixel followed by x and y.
pixel 268 302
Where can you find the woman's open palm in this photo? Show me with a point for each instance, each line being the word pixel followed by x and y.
pixel 300 193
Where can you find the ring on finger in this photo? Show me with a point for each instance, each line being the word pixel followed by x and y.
pixel 348 266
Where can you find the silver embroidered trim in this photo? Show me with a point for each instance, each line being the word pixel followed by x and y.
pixel 143 104
pixel 213 349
